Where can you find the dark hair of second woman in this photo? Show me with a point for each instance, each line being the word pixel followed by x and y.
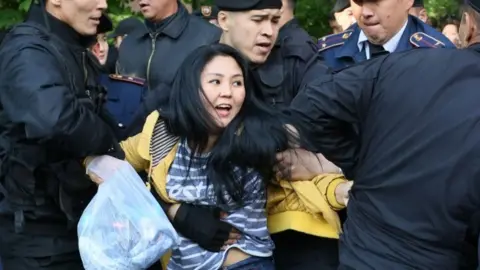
pixel 250 141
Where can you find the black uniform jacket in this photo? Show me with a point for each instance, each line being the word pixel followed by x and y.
pixel 415 158
pixel 288 66
pixel 51 117
pixel 156 51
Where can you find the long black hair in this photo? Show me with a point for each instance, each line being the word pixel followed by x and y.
pixel 250 141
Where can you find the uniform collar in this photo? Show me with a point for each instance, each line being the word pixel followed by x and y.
pixel 283 32
pixel 293 23
pixel 389 46
pixel 349 49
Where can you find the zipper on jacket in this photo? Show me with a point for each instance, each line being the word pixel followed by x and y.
pixel 85 73
pixel 154 41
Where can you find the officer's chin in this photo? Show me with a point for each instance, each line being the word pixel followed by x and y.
pixel 259 59
pixel 86 31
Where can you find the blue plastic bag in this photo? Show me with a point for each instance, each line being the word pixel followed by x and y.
pixel 123 227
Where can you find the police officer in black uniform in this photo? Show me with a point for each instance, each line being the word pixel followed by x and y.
pixel 293 50
pixel 277 47
pixel 51 117
pixel 414 159
pixel 155 51
pixel 469 34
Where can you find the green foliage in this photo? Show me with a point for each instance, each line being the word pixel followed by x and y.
pixel 440 8
pixel 12 11
pixel 118 10
pixel 313 15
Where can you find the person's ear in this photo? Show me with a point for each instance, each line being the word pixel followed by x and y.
pixel 223 20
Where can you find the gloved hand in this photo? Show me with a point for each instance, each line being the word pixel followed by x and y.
pixel 202 225
pixel 104 167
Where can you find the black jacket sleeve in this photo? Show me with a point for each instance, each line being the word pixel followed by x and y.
pixel 35 95
pixel 312 70
pixel 329 111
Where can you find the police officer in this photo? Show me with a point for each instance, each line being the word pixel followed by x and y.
pixel 51 118
pixel 208 13
pixel 469 33
pixel 155 51
pixel 416 182
pixel 382 27
pixel 275 44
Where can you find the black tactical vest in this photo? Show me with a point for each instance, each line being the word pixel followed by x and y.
pixel 44 191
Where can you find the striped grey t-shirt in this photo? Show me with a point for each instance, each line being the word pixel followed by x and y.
pixel 250 220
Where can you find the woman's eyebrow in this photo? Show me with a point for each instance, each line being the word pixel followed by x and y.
pixel 223 75
pixel 215 74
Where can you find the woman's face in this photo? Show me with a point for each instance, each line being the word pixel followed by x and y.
pixel 100 49
pixel 224 89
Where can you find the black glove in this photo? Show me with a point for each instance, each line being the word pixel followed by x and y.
pixel 202 225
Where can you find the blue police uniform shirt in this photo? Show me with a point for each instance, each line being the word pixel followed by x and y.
pixel 349 47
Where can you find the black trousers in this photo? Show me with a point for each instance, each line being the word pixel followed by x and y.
pixel 299 251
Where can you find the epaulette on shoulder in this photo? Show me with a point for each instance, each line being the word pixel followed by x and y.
pixel 129 79
pixel 333 40
pixel 422 40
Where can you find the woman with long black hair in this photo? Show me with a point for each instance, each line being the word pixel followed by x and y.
pixel 215 144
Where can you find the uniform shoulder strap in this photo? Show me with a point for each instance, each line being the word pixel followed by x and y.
pixel 134 80
pixel 422 40
pixel 333 40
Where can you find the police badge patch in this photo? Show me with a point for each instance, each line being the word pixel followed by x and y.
pixel 206 11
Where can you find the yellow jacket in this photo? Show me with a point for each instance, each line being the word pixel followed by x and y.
pixel 306 206
pixel 137 153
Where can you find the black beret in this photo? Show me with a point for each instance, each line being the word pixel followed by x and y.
pixel 340 5
pixel 207 12
pixel 475 4
pixel 246 5
pixel 418 3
